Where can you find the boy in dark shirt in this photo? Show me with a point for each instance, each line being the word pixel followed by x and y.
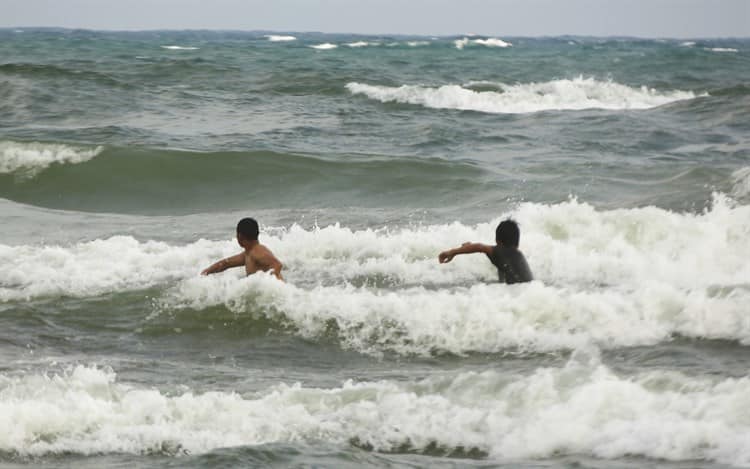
pixel 510 262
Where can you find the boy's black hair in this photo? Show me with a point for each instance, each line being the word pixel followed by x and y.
pixel 507 232
pixel 248 228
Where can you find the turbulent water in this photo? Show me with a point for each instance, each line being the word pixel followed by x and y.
pixel 126 160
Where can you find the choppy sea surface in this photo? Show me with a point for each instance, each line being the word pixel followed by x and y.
pixel 126 160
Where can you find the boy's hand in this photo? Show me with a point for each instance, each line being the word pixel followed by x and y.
pixel 445 257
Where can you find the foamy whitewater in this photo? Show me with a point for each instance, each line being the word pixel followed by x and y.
pixel 489 42
pixel 280 38
pixel 671 417
pixel 179 47
pixel 325 46
pixel 127 158
pixel 28 159
pixel 576 94
pixel 631 282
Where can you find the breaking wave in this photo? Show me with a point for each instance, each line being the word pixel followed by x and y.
pixel 325 46
pixel 556 95
pixel 28 159
pixel 594 411
pixel 280 38
pixel 614 278
pixel 489 42
pixel 179 47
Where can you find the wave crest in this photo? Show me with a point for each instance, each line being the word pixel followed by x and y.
pixel 280 38
pixel 29 159
pixel 489 42
pixel 556 95
pixel 180 47
pixel 325 46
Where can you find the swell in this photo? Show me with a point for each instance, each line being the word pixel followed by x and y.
pixel 735 91
pixel 57 72
pixel 148 181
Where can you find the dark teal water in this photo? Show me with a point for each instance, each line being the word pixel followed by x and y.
pixel 126 160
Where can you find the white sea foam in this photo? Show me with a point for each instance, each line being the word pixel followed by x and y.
pixel 30 158
pixel 489 42
pixel 688 44
pixel 325 46
pixel 278 38
pixel 722 49
pixel 593 411
pixel 461 43
pixel 179 47
pixel 417 43
pixel 358 44
pixel 492 42
pixel 629 246
pixel 487 318
pixel 615 278
pixel 576 94
pixel 87 269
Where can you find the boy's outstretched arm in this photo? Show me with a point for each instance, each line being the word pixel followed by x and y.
pixel 466 248
pixel 276 267
pixel 224 264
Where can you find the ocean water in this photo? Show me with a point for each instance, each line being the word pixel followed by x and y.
pixel 126 160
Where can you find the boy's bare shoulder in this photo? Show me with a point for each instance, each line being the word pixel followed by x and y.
pixel 259 250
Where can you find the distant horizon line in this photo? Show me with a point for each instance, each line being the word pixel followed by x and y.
pixel 439 36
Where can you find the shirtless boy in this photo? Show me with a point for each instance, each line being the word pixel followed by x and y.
pixel 255 256
pixel 510 262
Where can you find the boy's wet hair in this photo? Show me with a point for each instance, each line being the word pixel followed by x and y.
pixel 507 232
pixel 248 228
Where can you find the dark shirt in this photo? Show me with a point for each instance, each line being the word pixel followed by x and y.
pixel 511 265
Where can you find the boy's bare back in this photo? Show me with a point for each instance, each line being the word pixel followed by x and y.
pixel 255 256
pixel 260 259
